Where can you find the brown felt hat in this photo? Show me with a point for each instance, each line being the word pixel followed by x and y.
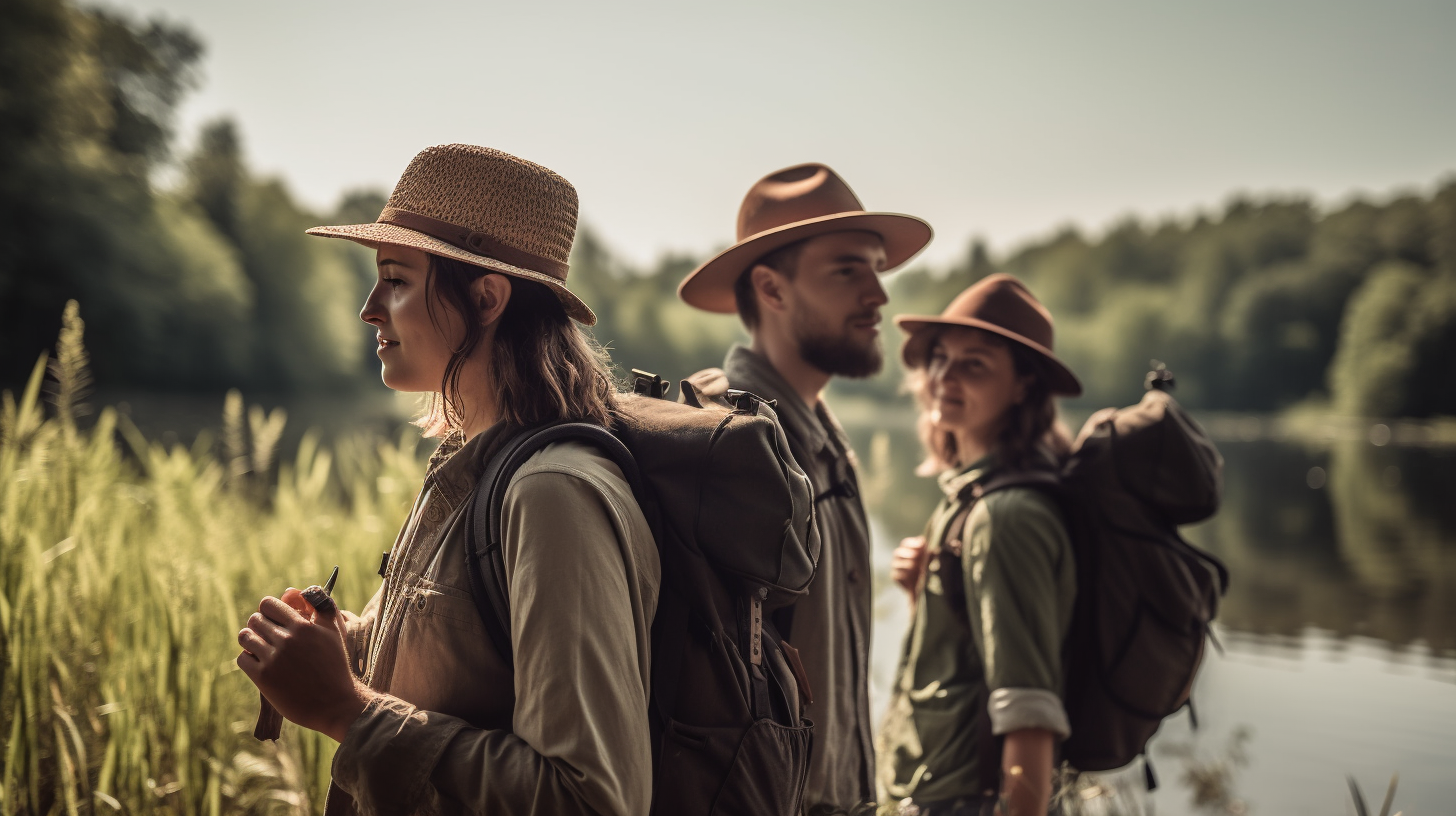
pixel 999 304
pixel 483 207
pixel 790 205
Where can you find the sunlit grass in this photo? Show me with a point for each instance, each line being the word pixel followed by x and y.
pixel 127 567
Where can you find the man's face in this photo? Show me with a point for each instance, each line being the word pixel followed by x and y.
pixel 834 303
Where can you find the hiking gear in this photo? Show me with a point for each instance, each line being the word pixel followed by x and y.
pixel 1000 304
pixel 832 625
pixel 1145 596
pixel 733 520
pixel 790 205
pixel 484 207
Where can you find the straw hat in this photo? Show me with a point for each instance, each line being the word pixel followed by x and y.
pixel 483 207
pixel 792 204
pixel 999 304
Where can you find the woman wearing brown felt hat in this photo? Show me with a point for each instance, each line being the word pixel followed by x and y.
pixel 976 710
pixel 471 308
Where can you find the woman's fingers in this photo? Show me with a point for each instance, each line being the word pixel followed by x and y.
pixel 294 598
pixel 908 562
pixel 266 630
pixel 281 613
pixel 254 646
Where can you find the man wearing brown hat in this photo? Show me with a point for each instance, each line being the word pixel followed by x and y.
pixel 804 278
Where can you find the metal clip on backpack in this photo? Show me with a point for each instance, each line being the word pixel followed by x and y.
pixel 732 515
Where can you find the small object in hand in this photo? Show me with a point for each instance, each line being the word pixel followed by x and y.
pixel 270 722
pixel 320 598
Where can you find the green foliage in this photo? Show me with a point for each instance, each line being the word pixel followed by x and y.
pixel 124 576
pixel 207 286
pixel 1266 306
pixel 212 285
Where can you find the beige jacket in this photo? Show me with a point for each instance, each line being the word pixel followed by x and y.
pixel 454 731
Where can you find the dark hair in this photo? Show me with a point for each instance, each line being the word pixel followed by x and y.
pixel 543 367
pixel 784 260
pixel 1030 424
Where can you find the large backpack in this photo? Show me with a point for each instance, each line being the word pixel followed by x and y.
pixel 1145 596
pixel 732 515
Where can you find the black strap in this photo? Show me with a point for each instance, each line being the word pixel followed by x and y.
pixel 485 561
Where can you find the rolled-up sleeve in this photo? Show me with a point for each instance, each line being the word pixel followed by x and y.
pixel 580 622
pixel 1021 580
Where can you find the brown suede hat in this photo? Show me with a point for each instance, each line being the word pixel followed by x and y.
pixel 484 207
pixel 999 304
pixel 789 205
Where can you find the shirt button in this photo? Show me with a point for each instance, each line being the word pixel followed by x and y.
pixel 420 601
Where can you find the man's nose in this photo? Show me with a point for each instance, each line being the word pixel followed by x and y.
pixel 875 295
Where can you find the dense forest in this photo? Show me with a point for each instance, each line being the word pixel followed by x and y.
pixel 193 272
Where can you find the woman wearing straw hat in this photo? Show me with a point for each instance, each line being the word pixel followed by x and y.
pixel 976 711
pixel 471 306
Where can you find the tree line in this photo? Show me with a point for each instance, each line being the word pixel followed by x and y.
pixel 206 281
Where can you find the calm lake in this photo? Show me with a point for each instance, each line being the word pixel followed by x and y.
pixel 1339 629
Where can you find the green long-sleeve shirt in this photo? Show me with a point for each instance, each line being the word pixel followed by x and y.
pixel 1002 660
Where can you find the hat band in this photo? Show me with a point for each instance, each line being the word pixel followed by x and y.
pixel 473 241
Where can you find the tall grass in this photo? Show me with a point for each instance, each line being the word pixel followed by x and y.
pixel 126 569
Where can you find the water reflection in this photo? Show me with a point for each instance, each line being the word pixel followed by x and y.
pixel 1351 538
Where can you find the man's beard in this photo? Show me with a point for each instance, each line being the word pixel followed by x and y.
pixel 837 355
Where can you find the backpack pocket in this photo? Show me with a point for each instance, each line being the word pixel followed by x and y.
pixel 1151 673
pixel 767 766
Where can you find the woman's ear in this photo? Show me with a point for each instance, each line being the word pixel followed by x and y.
pixel 490 294
pixel 1023 384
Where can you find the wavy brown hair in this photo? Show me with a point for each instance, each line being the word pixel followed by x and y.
pixel 543 367
pixel 1030 425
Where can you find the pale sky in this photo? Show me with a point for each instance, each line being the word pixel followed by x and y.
pixel 1003 120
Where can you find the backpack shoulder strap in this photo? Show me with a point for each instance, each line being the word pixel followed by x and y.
pixel 485 559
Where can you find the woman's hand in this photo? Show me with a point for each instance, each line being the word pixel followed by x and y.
pixel 908 563
pixel 296 658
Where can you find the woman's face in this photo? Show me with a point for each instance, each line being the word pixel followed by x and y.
pixel 972 382
pixel 413 349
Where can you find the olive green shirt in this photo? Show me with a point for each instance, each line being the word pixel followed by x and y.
pixel 1002 660
pixel 454 729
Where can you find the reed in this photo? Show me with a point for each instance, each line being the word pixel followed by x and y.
pixel 126 569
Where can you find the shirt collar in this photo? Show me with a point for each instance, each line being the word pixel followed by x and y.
pixel 750 371
pixel 458 464
pixel 953 482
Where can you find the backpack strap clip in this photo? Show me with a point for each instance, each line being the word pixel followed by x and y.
pixel 648 384
pixel 748 401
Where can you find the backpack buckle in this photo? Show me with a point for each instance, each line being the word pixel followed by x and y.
pixel 648 384
pixel 747 401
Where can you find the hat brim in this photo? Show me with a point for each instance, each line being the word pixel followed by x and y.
pixel 373 235
pixel 1060 379
pixel 710 286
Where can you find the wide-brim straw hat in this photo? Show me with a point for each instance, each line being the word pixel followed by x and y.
pixel 484 207
pixel 790 205
pixel 999 304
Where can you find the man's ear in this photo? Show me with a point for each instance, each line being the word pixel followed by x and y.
pixel 490 294
pixel 768 287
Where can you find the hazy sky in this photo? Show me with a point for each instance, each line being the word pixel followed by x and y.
pixel 996 119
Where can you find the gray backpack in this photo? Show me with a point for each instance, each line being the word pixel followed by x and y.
pixel 732 515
